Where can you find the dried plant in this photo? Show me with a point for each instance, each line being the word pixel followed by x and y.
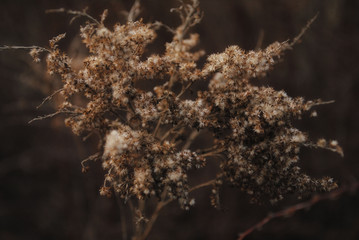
pixel 145 137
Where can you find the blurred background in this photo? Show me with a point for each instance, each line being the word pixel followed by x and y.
pixel 44 194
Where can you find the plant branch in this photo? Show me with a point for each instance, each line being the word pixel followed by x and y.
pixel 49 97
pixel 211 182
pixel 304 29
pixel 77 14
pixel 5 47
pixel 161 205
pixel 49 115
pixel 300 206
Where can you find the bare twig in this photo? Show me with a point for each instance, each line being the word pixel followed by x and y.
pixel 158 24
pixel 190 139
pixel 306 27
pixel 300 206
pixel 153 219
pixel 184 89
pixel 212 153
pixel 76 14
pixel 122 216
pixel 320 102
pixel 211 182
pixel 260 40
pixel 5 47
pixel 90 158
pixel 49 116
pixel 190 16
pixel 49 97
pixel 162 204
pixel 158 126
pixel 134 12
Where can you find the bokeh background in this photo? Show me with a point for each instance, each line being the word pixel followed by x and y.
pixel 44 195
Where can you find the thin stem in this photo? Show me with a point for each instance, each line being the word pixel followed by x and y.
pixel 122 216
pixel 134 12
pixel 140 217
pixel 153 219
pixel 300 206
pixel 299 36
pixel 133 214
pixel 72 12
pixel 158 126
pixel 212 153
pixel 90 158
pixel 172 130
pixel 190 139
pixel 161 205
pixel 210 182
pixel 184 89
pixel 49 115
pixel 49 97
pixel 5 47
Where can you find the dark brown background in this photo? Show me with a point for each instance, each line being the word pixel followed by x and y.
pixel 44 195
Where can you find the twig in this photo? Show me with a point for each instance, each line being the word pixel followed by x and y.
pixel 153 219
pixel 299 36
pixel 212 153
pixel 190 139
pixel 300 206
pixel 49 97
pixel 211 182
pixel 158 24
pixel 184 89
pixel 322 102
pixel 122 216
pixel 90 158
pixel 162 204
pixel 77 14
pixel 5 47
pixel 174 129
pixel 190 16
pixel 260 39
pixel 132 210
pixel 134 12
pixel 158 126
pixel 48 116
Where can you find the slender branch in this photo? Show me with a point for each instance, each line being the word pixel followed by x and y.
pixel 177 133
pixel 158 126
pixel 140 216
pixel 5 47
pixel 48 116
pixel 158 24
pixel 134 12
pixel 211 182
pixel 153 219
pixel 304 29
pixel 300 206
pixel 49 97
pixel 122 217
pixel 260 39
pixel 133 215
pixel 212 153
pixel 184 89
pixel 190 139
pixel 318 103
pixel 161 205
pixel 172 130
pixel 77 14
pixel 90 158
pixel 190 15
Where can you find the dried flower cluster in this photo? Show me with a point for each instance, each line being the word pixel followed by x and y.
pixel 145 136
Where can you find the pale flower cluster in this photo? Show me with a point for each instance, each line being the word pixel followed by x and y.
pixel 146 136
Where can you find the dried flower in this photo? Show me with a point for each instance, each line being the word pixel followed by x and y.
pixel 145 135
